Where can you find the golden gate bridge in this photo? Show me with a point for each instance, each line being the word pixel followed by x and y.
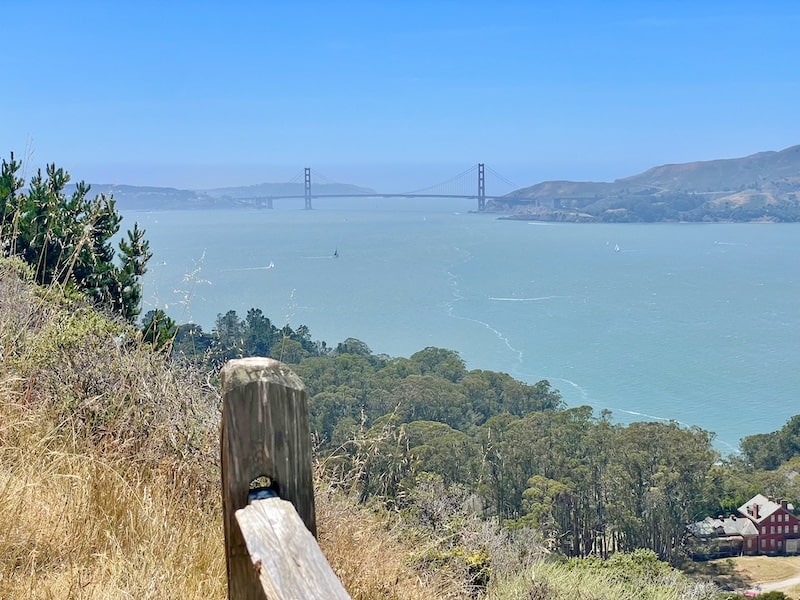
pixel 451 188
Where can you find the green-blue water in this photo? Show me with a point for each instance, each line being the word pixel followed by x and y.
pixel 696 323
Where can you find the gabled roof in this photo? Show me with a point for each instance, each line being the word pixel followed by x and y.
pixel 710 527
pixel 759 507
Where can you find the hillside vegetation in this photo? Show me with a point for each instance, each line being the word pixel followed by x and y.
pixel 760 187
pixel 109 485
pixel 109 470
pixel 404 431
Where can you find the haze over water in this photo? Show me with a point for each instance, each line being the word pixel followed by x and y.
pixel 694 323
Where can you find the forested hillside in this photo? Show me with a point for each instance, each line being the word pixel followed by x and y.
pixel 391 426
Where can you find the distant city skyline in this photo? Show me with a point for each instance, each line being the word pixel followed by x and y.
pixel 393 95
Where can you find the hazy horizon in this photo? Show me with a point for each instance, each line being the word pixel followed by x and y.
pixel 394 95
pixel 387 178
pixel 401 177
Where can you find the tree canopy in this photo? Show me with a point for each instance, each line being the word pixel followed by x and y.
pixel 66 238
pixel 384 425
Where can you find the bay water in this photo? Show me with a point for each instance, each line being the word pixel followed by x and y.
pixel 696 323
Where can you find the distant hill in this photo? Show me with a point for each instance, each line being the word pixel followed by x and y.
pixel 133 197
pixel 760 187
pixel 136 197
pixel 285 189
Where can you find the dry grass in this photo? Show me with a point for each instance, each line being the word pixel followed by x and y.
pixel 109 474
pixel 767 568
pixel 745 571
pixel 105 463
pixel 80 526
pixel 377 557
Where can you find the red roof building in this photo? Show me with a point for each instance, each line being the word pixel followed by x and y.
pixel 765 525
pixel 777 526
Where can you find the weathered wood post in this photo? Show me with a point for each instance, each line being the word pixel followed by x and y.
pixel 266 444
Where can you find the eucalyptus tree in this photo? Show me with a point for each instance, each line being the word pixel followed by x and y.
pixel 657 481
pixel 441 362
pixel 769 450
pixel 446 452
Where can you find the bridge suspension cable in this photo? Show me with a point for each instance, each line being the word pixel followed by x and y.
pixel 502 178
pixel 455 179
pixel 297 178
pixel 321 178
pixel 461 185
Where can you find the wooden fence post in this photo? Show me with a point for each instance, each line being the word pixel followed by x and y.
pixel 265 437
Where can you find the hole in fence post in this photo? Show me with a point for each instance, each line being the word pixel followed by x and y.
pixel 261 488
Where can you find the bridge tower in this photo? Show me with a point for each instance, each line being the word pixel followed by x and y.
pixel 308 187
pixel 481 188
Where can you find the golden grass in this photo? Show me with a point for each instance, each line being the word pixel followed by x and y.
pixel 109 472
pixel 92 525
pixel 103 488
pixel 375 557
pixel 746 571
pixel 767 568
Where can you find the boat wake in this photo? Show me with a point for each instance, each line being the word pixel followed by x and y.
pixel 718 442
pixel 581 390
pixel 271 265
pixel 537 299
pixel 457 297
pixel 646 416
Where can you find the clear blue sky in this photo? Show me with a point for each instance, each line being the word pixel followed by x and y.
pixel 202 94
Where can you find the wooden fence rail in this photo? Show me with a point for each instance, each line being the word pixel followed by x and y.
pixel 267 487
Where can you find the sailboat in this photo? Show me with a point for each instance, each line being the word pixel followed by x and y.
pixel 336 253
pixel 616 248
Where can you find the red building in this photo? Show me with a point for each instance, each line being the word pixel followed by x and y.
pixel 764 526
pixel 777 527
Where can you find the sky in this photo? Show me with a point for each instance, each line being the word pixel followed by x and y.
pixel 393 95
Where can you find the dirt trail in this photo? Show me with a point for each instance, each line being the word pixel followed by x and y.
pixel 780 586
pixel 753 574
